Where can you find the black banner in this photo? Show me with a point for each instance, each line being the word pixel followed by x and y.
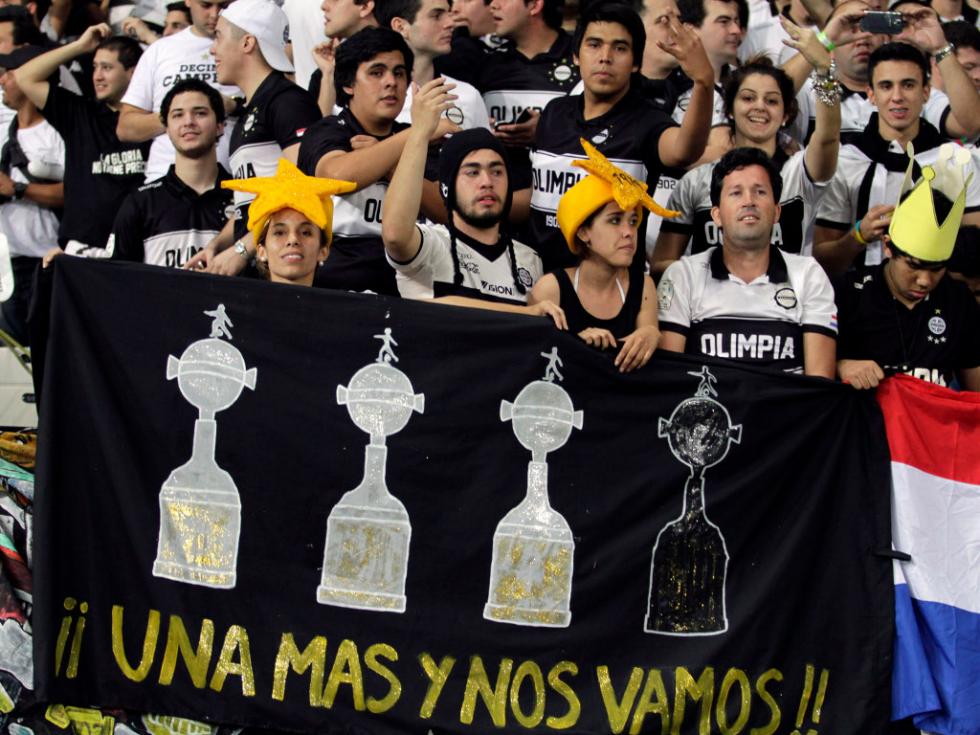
pixel 311 510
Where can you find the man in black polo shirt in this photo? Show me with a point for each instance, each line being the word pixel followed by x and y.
pixel 616 116
pixel 363 144
pixel 168 220
pixel 907 315
pixel 250 53
pixel 100 170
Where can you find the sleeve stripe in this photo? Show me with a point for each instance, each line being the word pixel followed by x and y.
pixel 672 327
pixel 826 331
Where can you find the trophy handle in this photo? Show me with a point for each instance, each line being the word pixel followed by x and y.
pixel 506 410
pixel 173 366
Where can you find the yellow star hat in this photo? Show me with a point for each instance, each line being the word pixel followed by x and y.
pixel 290 188
pixel 915 228
pixel 606 182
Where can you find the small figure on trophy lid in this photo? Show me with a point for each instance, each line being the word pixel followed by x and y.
pixel 200 509
pixel 365 557
pixel 690 557
pixel 533 548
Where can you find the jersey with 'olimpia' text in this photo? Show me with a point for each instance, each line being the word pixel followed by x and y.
pixel 166 222
pixel 628 135
pixel 275 118
pixel 760 323
pixel 793 233
pixel 486 269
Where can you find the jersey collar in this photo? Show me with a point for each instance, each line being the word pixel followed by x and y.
pixel 776 271
pixel 877 149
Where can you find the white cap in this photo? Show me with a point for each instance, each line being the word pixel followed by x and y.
pixel 268 23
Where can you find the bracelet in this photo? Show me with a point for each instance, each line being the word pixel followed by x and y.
pixel 857 234
pixel 825 40
pixel 825 86
pixel 942 53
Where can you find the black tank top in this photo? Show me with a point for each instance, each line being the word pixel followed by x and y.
pixel 621 325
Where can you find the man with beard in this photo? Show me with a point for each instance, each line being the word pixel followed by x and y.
pixel 473 256
pixel 168 220
pixel 745 300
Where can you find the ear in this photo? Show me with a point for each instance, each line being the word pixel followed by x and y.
pixel 778 210
pixel 249 43
pixel 366 9
pixel 349 91
pixel 400 26
pixel 221 129
pixel 535 7
pixel 582 233
pixel 886 244
pixel 716 216
pixel 261 253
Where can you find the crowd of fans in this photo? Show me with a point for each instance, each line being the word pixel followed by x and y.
pixel 513 148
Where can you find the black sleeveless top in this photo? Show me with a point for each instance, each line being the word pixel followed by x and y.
pixel 621 325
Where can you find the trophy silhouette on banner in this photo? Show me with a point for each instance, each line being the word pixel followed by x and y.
pixel 690 559
pixel 365 558
pixel 533 549
pixel 200 510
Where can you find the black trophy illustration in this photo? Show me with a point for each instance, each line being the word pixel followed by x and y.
pixel 200 509
pixel 690 559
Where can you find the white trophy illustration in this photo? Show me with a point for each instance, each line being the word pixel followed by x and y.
pixel 200 509
pixel 365 558
pixel 690 558
pixel 533 549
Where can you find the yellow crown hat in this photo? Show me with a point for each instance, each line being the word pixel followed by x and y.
pixel 290 188
pixel 605 183
pixel 914 228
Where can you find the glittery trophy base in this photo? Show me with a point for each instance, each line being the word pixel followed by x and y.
pixel 198 537
pixel 365 561
pixel 531 578
pixel 687 590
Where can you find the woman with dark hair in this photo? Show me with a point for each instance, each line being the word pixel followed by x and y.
pixel 760 104
pixel 291 221
pixel 605 303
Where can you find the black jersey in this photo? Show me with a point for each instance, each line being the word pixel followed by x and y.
pixel 621 325
pixel 357 257
pixel 166 222
pixel 628 135
pixel 465 58
pixel 275 118
pixel 100 169
pixel 932 340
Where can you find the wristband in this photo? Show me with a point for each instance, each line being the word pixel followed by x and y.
pixel 827 43
pixel 942 53
pixel 242 250
pixel 857 234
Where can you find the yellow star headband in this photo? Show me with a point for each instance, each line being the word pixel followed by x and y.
pixel 290 188
pixel 914 228
pixel 606 182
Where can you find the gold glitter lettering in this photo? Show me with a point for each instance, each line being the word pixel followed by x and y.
pixel 313 657
pixel 371 655
pixel 702 690
pixel 570 718
pixel 760 688
pixel 495 699
pixel 197 662
pixel 618 710
pixel 346 670
pixel 59 648
pixel 437 680
pixel 71 671
pixel 236 639
pixel 525 670
pixel 733 676
pixel 150 638
pixel 653 700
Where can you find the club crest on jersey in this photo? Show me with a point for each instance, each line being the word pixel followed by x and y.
pixel 250 119
pixel 562 72
pixel 230 212
pixel 524 276
pixel 601 137
pixel 455 115
pixel 786 298
pixel 937 325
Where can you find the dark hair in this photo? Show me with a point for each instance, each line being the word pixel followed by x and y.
pixel 361 48
pixel 613 11
pixel 693 12
pixel 551 12
pixel 386 11
pixel 898 51
pixel 181 6
pixel 25 30
pixel 127 49
pixel 760 65
pixel 193 85
pixel 739 158
pixel 962 34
